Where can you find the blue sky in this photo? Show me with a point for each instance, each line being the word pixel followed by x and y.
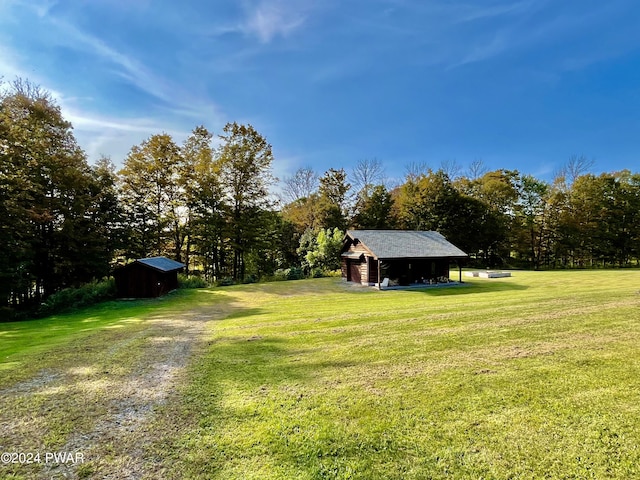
pixel 516 84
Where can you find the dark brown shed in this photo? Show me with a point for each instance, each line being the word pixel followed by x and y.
pixel 147 277
pixel 398 257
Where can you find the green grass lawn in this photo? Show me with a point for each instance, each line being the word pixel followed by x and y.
pixel 80 382
pixel 29 346
pixel 534 376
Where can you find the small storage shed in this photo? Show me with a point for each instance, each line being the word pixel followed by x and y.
pixel 398 257
pixel 147 277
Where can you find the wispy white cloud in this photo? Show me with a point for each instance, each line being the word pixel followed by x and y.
pixel 270 19
pixel 264 20
pixel 86 121
pixel 72 37
pixel 449 34
pixel 470 13
pixel 42 9
pixel 100 134
pixel 9 64
pixel 113 136
pixel 477 52
pixel 116 143
pixel 127 67
pixel 172 104
pixel 526 25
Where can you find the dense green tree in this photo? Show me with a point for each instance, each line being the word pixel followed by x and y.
pixel 499 189
pixel 374 209
pixel 585 200
pixel 308 242
pixel 203 210
pixel 428 202
pixel 282 245
pixel 273 249
pixel 476 230
pixel 629 234
pixel 304 213
pixel 531 211
pixel 499 192
pixel 104 219
pixel 325 251
pixel 245 168
pixel 433 202
pixel 153 198
pixel 333 201
pixel 603 218
pixel 46 198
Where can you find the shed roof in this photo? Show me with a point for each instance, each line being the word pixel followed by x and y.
pixel 162 264
pixel 406 244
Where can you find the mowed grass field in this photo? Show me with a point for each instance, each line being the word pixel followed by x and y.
pixel 534 376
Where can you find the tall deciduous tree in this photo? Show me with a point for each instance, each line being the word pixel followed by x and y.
pixel 428 202
pixel 531 212
pixel 245 166
pixel 333 199
pixel 305 213
pixel 45 199
pixel 373 210
pixel 105 217
pixel 204 208
pixel 602 221
pixel 367 173
pixel 499 191
pixel 153 197
pixel 302 209
pixel 432 202
pixel 302 184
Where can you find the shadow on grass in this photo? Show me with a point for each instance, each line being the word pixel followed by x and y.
pixel 255 360
pixel 95 392
pixel 247 384
pixel 471 287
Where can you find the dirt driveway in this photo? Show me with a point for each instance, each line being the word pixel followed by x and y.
pixel 93 405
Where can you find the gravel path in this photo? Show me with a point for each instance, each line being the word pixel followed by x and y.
pixel 102 405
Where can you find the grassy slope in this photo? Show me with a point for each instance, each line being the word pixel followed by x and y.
pixel 526 377
pixel 30 346
pixel 68 377
pixel 529 377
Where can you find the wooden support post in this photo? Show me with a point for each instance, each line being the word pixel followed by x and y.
pixel 379 281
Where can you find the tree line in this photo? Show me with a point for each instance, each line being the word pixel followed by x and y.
pixel 209 203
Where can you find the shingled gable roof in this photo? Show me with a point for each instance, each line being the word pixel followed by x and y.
pixel 162 264
pixel 387 244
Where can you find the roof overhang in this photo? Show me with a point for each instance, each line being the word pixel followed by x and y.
pixel 159 264
pixel 352 255
pixel 423 258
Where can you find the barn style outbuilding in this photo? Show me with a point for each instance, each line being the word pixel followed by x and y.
pixel 398 257
pixel 147 277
